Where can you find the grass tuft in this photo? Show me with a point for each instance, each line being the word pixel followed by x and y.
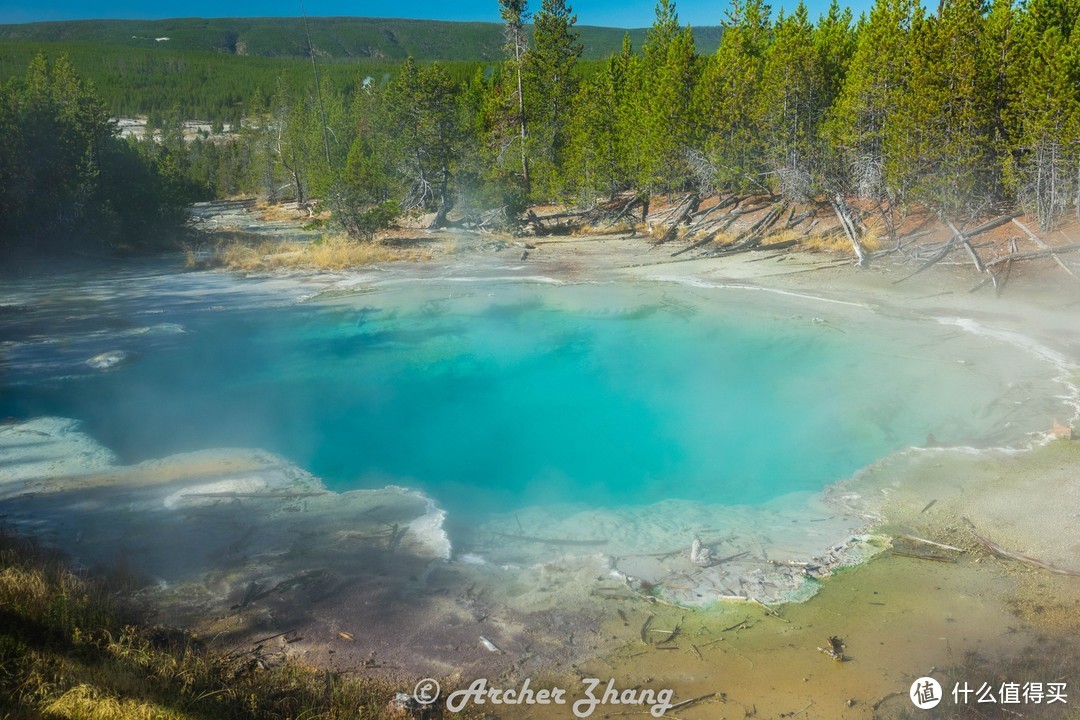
pixel 330 253
pixel 70 649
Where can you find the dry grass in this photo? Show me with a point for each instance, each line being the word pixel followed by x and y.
pixel 622 227
pixel 833 243
pixel 85 702
pixel 331 253
pixel 875 236
pixel 271 212
pixel 67 651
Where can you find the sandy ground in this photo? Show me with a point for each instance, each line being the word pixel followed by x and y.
pixel 380 597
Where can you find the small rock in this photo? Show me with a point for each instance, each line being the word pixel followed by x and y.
pixel 700 555
pixel 403 705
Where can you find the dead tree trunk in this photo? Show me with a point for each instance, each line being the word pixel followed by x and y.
pixel 956 239
pixel 688 208
pixel 844 216
pixel 974 255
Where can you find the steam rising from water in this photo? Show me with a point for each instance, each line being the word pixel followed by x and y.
pixel 493 395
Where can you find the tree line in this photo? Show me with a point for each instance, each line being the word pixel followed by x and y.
pixel 197 84
pixel 67 181
pixel 962 110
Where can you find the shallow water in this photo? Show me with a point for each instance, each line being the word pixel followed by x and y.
pixel 495 394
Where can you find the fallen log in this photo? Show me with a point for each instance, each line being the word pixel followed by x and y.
pixel 934 260
pixel 699 698
pixel 768 221
pixel 726 203
pixel 749 239
pixel 662 216
pixel 951 244
pixel 694 246
pixel 1032 254
pixel 717 227
pixel 966 242
pixel 996 549
pixel 689 207
pixel 1009 267
pixel 795 220
pixel 777 245
pixel 626 209
pixel 989 225
pixel 1038 241
pixel 924 541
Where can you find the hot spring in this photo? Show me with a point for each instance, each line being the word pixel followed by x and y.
pixel 496 395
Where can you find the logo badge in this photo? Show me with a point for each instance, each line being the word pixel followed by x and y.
pixel 426 691
pixel 925 693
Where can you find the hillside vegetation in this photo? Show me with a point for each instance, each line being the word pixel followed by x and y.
pixel 334 38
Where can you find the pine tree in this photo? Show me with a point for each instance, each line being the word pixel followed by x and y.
pixel 727 100
pixel 869 100
pixel 790 96
pixel 514 13
pixel 943 139
pixel 550 85
pixel 834 41
pixel 420 123
pixel 64 175
pixel 1042 117
pixel 595 153
pixel 666 124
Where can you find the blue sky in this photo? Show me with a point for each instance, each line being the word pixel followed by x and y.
pixel 612 13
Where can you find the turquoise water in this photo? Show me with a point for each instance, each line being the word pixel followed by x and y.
pixel 502 395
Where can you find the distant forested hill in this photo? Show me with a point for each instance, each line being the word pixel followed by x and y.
pixel 338 38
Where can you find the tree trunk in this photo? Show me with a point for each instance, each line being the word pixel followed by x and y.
pixel 521 113
pixel 446 203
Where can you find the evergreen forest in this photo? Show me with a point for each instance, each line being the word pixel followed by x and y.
pixel 964 110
